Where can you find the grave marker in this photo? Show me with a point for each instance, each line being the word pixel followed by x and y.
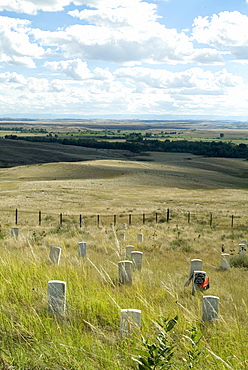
pixel 199 279
pixel 130 321
pixel 210 308
pixel 242 250
pixel 125 272
pixel 56 297
pixel 225 261
pixel 195 265
pixel 122 237
pixel 129 249
pixel 81 249
pixel 136 258
pixel 55 254
pixel 14 232
pixel 140 238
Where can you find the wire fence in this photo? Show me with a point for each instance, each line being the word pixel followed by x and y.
pixel 170 216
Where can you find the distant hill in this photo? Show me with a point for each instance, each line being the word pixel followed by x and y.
pixel 20 152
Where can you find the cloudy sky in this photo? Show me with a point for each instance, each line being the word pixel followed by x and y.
pixel 124 58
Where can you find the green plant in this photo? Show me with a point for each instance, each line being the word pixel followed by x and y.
pixel 158 355
pixel 239 261
pixel 193 353
pixel 182 245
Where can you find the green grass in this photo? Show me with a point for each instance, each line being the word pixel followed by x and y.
pixel 88 336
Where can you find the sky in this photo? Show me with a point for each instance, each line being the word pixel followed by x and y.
pixel 154 59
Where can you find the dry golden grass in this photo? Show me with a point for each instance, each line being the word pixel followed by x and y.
pixel 152 182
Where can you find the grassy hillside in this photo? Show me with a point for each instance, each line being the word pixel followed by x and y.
pixel 107 182
pixel 18 153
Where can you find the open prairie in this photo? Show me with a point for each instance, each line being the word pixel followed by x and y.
pixel 71 180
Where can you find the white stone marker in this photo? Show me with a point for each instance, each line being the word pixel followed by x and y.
pixel 125 272
pixel 14 232
pixel 140 238
pixel 198 278
pixel 129 249
pixel 124 226
pixel 122 237
pixel 195 265
pixel 81 249
pixel 56 297
pixel 55 253
pixel 210 307
pixel 242 249
pixel 130 321
pixel 136 258
pixel 225 261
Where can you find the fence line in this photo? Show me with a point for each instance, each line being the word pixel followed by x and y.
pixel 174 217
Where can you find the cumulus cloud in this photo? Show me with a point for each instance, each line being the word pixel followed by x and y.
pixel 15 45
pixel 119 13
pixel 120 31
pixel 33 6
pixel 225 31
pixel 8 77
pixel 133 90
pixel 148 42
pixel 194 80
pixel 75 69
pixel 21 62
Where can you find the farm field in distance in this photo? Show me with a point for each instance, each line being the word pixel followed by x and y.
pixel 117 129
pixel 208 203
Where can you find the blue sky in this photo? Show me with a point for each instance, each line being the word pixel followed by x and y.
pixel 124 58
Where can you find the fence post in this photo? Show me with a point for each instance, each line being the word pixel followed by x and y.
pixel 16 216
pixel 39 218
pixel 130 219
pixel 98 220
pixel 60 218
pixel 156 218
pixel 80 220
pixel 168 215
pixel 232 220
pixel 188 217
pixel 211 220
pixel 144 218
pixel 115 220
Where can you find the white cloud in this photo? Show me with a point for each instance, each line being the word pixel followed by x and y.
pixel 22 62
pixel 15 45
pixel 191 81
pixel 119 13
pixel 120 31
pixel 14 77
pixel 102 74
pixel 33 6
pixel 225 31
pixel 150 42
pixel 134 90
pixel 75 69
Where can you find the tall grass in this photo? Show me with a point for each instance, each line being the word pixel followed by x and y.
pixel 88 336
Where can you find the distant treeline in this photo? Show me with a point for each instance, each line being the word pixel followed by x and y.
pixel 25 130
pixel 139 144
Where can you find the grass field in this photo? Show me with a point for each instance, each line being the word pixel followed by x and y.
pixel 107 182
